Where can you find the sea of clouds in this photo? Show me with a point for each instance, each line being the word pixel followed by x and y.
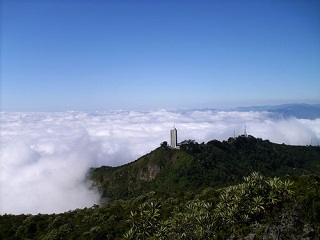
pixel 45 157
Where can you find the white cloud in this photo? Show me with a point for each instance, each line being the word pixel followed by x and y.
pixel 45 156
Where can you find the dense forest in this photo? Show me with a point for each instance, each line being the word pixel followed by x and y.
pixel 197 166
pixel 243 188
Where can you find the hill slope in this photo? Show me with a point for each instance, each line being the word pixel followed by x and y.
pixel 179 196
pixel 197 166
pixel 258 208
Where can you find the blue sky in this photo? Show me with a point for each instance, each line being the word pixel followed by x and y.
pixel 98 55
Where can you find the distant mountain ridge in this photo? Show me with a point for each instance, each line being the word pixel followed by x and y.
pixel 298 110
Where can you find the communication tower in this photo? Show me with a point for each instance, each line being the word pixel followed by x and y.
pixel 174 138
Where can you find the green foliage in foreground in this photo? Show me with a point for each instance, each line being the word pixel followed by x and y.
pixel 257 208
pixel 230 215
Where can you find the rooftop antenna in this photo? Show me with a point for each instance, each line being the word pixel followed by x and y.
pixel 245 130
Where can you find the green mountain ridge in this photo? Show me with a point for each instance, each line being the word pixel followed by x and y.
pixel 197 166
pixel 242 188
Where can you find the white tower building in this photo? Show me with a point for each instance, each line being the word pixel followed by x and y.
pixel 174 137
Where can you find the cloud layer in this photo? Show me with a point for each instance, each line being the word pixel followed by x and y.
pixel 45 156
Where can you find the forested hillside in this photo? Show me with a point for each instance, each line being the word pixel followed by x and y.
pixel 243 188
pixel 257 208
pixel 197 166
